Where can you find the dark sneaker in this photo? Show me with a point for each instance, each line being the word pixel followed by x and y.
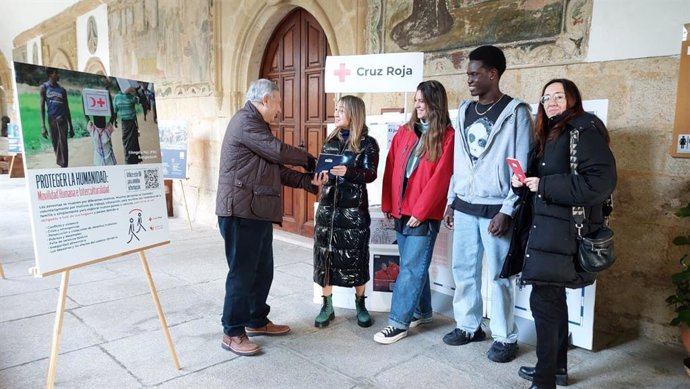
pixel 502 352
pixel 389 335
pixel 458 337
pixel 527 372
pixel 418 321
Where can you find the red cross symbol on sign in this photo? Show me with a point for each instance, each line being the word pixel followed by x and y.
pixel 342 72
pixel 100 102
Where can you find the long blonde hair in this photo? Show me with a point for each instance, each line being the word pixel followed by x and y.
pixel 355 112
pixel 436 100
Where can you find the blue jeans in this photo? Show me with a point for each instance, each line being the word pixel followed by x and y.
pixel 471 239
pixel 412 294
pixel 249 252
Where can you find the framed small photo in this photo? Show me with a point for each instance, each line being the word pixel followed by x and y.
pixel 386 270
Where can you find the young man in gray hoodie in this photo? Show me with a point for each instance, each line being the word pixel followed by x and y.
pixel 481 203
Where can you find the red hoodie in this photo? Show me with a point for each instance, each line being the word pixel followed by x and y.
pixel 426 194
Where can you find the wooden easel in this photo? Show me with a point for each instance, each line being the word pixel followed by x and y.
pixel 60 314
pixel 17 166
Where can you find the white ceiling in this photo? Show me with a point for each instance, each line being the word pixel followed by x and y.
pixel 18 16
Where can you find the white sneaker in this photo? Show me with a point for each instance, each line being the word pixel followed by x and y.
pixel 389 335
pixel 418 321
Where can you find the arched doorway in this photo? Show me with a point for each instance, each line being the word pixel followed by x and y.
pixel 295 58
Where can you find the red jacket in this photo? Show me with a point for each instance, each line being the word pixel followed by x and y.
pixel 426 194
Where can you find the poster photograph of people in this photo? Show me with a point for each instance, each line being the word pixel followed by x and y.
pixel 72 119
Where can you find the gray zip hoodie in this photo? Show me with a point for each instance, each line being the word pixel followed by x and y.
pixel 487 181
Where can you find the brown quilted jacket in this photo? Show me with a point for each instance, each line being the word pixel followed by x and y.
pixel 252 169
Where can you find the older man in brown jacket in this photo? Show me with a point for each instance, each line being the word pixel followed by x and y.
pixel 252 172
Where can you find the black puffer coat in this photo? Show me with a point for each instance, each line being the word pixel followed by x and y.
pixel 341 241
pixel 548 249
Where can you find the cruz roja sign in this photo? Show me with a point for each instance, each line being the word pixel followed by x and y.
pixel 395 72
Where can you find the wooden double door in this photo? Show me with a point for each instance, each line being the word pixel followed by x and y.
pixel 295 59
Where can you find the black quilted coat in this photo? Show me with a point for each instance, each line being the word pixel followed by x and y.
pixel 341 232
pixel 545 237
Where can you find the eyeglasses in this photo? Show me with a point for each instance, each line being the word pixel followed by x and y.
pixel 559 98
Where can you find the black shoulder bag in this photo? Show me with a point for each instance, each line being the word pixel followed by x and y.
pixel 594 250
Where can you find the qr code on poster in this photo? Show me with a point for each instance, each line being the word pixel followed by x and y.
pixel 151 178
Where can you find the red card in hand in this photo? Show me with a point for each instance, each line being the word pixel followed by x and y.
pixel 517 168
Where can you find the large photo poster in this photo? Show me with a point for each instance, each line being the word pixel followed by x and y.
pixel 93 171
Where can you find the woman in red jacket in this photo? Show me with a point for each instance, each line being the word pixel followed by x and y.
pixel 415 182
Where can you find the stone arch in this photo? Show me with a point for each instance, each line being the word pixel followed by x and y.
pixel 95 65
pixel 60 60
pixel 6 89
pixel 252 38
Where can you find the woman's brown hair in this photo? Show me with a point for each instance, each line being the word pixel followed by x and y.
pixel 542 134
pixel 436 99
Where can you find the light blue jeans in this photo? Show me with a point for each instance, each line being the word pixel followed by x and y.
pixel 412 294
pixel 471 239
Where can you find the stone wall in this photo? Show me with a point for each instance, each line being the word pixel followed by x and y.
pixel 170 42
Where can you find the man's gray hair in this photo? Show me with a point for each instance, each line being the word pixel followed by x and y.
pixel 260 88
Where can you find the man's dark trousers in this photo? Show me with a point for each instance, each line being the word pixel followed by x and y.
pixel 58 136
pixel 130 141
pixel 249 252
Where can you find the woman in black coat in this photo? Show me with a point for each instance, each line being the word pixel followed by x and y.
pixel 341 232
pixel 549 264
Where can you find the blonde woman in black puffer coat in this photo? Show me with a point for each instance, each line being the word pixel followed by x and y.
pixel 341 231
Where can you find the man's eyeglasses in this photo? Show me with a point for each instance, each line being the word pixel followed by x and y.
pixel 559 98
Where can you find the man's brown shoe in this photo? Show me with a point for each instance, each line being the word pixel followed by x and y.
pixel 240 345
pixel 268 329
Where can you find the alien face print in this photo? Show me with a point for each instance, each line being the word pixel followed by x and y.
pixel 477 136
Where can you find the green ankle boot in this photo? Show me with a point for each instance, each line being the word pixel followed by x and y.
pixel 326 315
pixel 363 317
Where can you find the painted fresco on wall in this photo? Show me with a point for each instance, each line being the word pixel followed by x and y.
pixel 169 41
pixel 530 31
